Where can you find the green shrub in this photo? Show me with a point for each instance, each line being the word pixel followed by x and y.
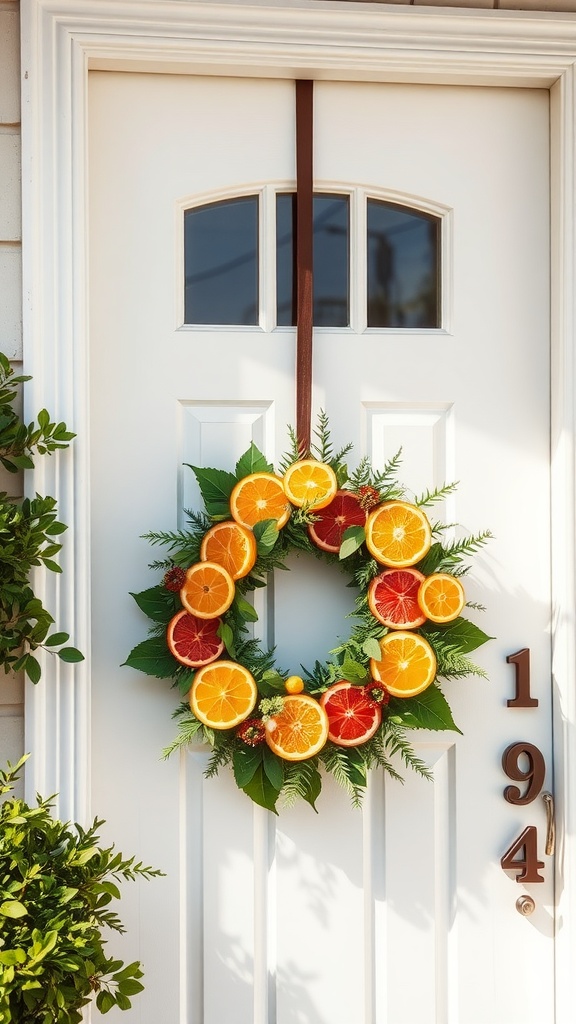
pixel 27 537
pixel 56 887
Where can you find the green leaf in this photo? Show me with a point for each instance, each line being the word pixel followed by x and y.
pixel 353 671
pixel 32 669
pixel 9 957
pixel 252 462
pixel 52 565
pixel 13 908
pixel 460 633
pixel 244 609
pixel 216 487
pixel 273 768
pixel 226 634
pixel 342 474
pixel 70 655
pixel 245 761
pixel 371 648
pixel 313 789
pixel 352 539
pixel 130 987
pixel 429 710
pixel 56 639
pixel 271 683
pixel 261 790
pixel 105 1001
pixel 357 767
pixel 266 534
pixel 157 603
pixel 152 657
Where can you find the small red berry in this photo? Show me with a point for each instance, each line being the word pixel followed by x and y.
pixel 174 579
pixel 369 497
pixel 252 732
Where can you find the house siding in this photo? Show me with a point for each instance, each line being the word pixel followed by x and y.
pixel 11 688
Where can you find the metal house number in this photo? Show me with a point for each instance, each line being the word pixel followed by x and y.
pixel 523 762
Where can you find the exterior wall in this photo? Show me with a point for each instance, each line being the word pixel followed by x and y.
pixel 11 689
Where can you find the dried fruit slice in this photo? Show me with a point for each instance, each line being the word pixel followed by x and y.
pixel 393 598
pixel 441 597
pixel 398 534
pixel 311 483
pixel 259 496
pixel 353 717
pixel 231 545
pixel 223 694
pixel 208 590
pixel 344 510
pixel 300 730
pixel 407 664
pixel 193 641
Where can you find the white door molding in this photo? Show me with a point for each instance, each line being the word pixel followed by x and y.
pixel 62 40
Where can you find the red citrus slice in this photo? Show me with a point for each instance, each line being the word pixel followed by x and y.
pixel 393 598
pixel 193 641
pixel 343 511
pixel 352 717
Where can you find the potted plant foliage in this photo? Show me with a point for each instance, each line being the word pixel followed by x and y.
pixel 57 884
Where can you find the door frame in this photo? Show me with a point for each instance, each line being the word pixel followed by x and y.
pixel 62 40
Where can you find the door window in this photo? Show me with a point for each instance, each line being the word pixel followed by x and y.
pixel 402 247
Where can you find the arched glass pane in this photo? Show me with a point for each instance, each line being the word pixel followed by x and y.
pixel 331 260
pixel 221 262
pixel 403 267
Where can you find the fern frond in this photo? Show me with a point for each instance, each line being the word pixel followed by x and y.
pixel 323 450
pixel 220 756
pixel 438 494
pixel 337 763
pixel 452 665
pixel 293 453
pixel 397 744
pixel 298 778
pixel 188 728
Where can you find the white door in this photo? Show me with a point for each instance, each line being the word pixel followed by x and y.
pixel 401 913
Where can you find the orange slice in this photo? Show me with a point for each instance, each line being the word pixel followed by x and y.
pixel 398 534
pixel 441 597
pixel 223 694
pixel 393 598
pixel 407 664
pixel 230 545
pixel 193 641
pixel 352 717
pixel 259 496
pixel 208 590
pixel 310 483
pixel 300 730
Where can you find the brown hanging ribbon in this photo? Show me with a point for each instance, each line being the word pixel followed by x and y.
pixel 304 268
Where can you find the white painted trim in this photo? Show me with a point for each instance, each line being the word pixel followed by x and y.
pixel 323 39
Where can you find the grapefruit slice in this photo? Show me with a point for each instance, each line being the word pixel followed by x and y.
pixel 393 598
pixel 353 717
pixel 343 511
pixel 193 641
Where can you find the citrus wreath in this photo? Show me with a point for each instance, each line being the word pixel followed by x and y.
pixel 347 715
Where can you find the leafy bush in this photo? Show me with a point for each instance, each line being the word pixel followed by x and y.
pixel 56 885
pixel 27 537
